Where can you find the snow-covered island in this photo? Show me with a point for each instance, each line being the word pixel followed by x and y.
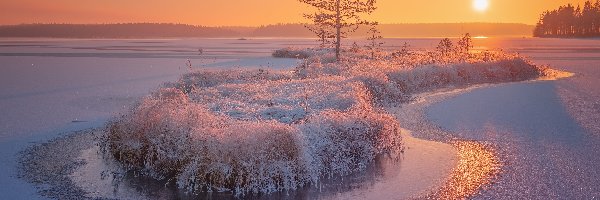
pixel 262 131
pixel 335 106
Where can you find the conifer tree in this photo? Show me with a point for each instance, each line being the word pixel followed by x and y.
pixel 343 16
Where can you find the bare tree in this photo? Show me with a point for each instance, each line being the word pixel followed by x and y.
pixel 344 15
pixel 374 37
pixel 465 43
pixel 321 26
pixel 405 48
pixel 445 47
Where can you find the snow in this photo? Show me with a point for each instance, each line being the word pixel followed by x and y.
pixel 167 130
pixel 256 63
pixel 264 131
pixel 46 84
pixel 92 80
pixel 535 135
pixel 424 167
pixel 392 76
pixel 546 131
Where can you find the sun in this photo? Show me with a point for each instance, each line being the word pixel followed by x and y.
pixel 481 5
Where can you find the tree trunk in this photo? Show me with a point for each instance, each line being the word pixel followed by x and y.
pixel 338 27
pixel 323 37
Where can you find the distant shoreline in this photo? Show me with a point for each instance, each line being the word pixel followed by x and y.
pixel 571 37
pixel 171 31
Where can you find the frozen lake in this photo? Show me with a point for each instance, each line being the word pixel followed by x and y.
pixel 547 132
pixel 52 86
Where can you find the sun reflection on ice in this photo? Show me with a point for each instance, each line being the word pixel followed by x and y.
pixel 477 166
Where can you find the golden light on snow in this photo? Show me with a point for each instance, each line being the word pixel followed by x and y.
pixel 481 5
pixel 553 74
pixel 477 166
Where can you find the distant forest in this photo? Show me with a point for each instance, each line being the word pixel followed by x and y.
pixel 408 30
pixel 130 30
pixel 570 21
pixel 165 30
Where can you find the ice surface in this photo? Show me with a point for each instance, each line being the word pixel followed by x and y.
pixel 36 107
pixel 264 131
pixel 50 87
pixel 543 131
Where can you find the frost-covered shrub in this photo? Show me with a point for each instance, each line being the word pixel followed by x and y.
pixel 382 89
pixel 246 156
pixel 392 78
pixel 240 155
pixel 166 136
pixel 195 140
pixel 287 101
pixel 291 53
pixel 151 137
pixel 260 131
pixel 435 76
pixel 302 53
pixel 344 142
pixel 314 68
pixel 324 55
pixel 211 78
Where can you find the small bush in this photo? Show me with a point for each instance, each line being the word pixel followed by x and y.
pixel 196 140
pixel 392 78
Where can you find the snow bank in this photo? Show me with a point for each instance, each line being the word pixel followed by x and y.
pixel 260 131
pixel 287 101
pixel 394 76
pixel 247 137
pixel 210 78
pixel 302 53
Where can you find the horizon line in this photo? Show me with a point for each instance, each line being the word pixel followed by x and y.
pixel 258 26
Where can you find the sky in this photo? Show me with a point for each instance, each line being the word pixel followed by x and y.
pixel 262 12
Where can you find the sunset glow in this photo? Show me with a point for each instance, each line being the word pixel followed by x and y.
pixel 300 99
pixel 251 13
pixel 481 5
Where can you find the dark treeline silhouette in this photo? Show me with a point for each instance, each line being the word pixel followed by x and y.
pixel 148 30
pixel 407 30
pixel 570 21
pixel 126 30
pixel 281 30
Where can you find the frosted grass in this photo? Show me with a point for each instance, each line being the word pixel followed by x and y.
pixel 263 131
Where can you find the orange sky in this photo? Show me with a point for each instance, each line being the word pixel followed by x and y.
pixel 259 12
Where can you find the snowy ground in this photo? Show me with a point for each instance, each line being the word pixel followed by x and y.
pixel 423 169
pixel 57 95
pixel 52 87
pixel 546 131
